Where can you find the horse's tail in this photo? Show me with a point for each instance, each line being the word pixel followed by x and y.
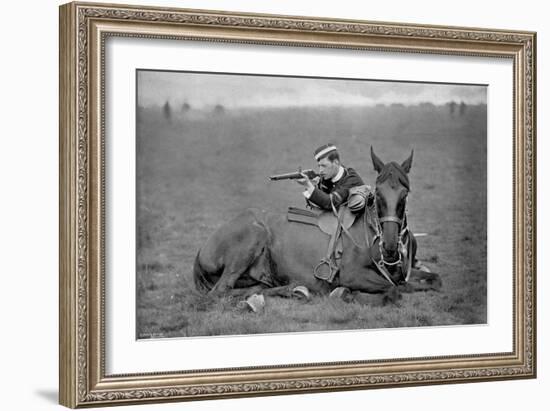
pixel 200 276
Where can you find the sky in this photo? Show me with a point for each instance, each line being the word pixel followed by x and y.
pixel 208 89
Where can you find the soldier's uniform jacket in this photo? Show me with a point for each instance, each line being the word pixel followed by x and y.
pixel 335 191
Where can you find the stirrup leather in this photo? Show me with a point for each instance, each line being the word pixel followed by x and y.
pixel 327 269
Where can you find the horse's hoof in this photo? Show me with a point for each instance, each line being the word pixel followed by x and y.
pixel 254 303
pixel 301 292
pixel 339 292
pixel 420 266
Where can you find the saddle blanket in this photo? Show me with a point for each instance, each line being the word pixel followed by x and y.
pixel 300 215
pixel 326 221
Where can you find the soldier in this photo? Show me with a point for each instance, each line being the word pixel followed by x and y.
pixel 333 187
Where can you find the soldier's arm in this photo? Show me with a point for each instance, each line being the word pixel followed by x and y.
pixel 315 196
pixel 338 196
pixel 320 199
pixel 324 200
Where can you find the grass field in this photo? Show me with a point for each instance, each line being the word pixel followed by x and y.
pixel 197 169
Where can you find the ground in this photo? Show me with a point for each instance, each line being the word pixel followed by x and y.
pixel 198 168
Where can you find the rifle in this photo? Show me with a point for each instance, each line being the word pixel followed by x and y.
pixel 295 176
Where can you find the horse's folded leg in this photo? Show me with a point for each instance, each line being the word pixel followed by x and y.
pixel 284 291
pixel 219 290
pixel 371 300
pixel 392 296
pixel 227 282
pixel 406 288
pixel 423 281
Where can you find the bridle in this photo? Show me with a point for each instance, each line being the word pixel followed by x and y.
pixel 404 243
pixel 403 229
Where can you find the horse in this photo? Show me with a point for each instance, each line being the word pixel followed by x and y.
pixel 262 252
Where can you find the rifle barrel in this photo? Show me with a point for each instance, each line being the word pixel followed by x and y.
pixel 294 176
pixel 287 176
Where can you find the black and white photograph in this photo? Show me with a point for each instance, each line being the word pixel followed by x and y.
pixel 263 202
pixel 281 204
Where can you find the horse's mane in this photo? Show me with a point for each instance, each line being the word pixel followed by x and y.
pixel 395 174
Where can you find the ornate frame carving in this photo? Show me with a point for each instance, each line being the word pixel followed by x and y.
pixel 83 29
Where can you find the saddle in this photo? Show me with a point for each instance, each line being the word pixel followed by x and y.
pixel 332 225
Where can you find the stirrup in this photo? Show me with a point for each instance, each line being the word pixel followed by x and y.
pixel 328 273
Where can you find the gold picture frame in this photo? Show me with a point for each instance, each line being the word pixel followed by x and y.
pixel 83 30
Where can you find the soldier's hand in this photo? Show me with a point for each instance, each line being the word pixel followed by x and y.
pixel 302 181
pixel 305 181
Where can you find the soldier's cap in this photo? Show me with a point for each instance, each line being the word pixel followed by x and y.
pixel 324 150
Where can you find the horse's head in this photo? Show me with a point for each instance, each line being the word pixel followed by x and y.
pixel 392 188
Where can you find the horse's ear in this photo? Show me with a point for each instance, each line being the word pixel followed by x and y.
pixel 376 162
pixel 407 164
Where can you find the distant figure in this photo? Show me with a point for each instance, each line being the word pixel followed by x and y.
pixel 167 111
pixel 219 109
pixel 462 108
pixel 185 107
pixel 452 107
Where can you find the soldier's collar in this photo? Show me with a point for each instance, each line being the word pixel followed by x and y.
pixel 338 175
